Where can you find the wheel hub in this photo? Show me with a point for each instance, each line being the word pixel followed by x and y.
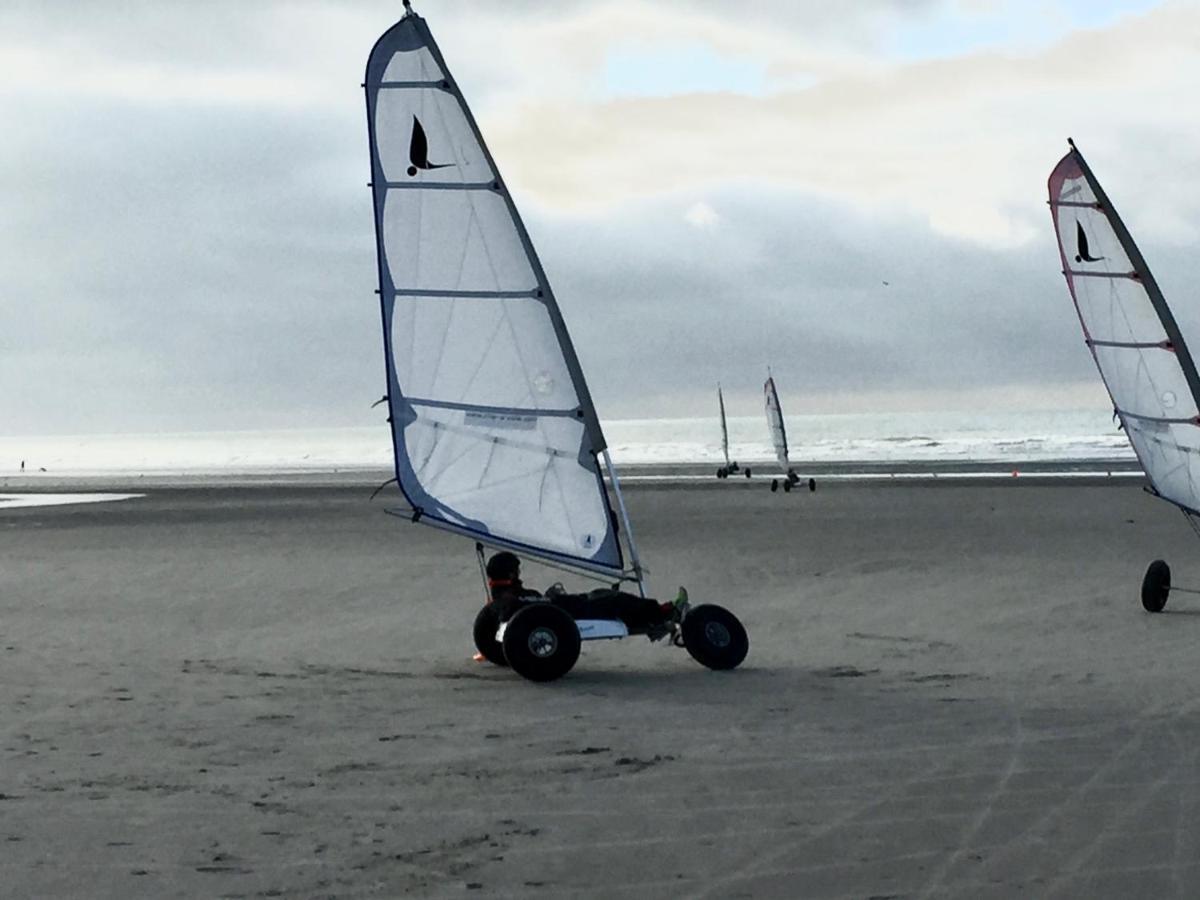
pixel 716 634
pixel 543 642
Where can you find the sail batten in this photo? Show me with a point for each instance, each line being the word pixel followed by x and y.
pixel 488 186
pixel 413 85
pixel 1163 420
pixel 531 411
pixel 466 295
pixel 1079 273
pixel 493 426
pixel 1131 345
pixel 1127 325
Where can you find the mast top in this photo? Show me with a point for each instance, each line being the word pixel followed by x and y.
pixel 408 10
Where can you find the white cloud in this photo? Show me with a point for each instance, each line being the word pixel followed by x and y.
pixel 701 215
pixel 32 73
pixel 966 143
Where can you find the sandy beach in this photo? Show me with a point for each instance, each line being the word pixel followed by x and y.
pixel 952 690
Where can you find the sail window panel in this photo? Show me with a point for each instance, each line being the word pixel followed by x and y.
pixel 1118 310
pixel 1099 253
pixel 524 485
pixel 1171 457
pixel 1146 382
pixel 453 240
pixel 424 136
pixel 416 64
pixel 1112 309
pixel 485 352
pixel 1075 188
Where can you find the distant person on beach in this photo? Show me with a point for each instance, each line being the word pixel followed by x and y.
pixel 22 465
pixel 508 595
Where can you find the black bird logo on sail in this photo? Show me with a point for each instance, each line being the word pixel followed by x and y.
pixel 1083 255
pixel 418 151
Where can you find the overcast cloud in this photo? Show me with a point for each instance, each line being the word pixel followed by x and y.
pixel 186 238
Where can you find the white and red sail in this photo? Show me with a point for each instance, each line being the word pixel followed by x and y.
pixel 1130 331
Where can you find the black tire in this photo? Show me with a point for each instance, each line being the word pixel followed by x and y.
pixel 487 623
pixel 812 485
pixel 747 471
pixel 787 486
pixel 1156 585
pixel 774 485
pixel 541 642
pixel 714 637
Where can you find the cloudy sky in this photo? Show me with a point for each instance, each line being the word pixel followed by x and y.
pixel 186 234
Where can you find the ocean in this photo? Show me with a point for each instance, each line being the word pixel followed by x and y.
pixel 1058 436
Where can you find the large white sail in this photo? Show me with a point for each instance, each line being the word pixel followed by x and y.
pixel 1130 331
pixel 724 427
pixel 494 430
pixel 775 424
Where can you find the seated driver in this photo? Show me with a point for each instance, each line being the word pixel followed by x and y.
pixel 638 613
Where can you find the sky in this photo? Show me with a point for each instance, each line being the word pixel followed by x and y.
pixel 851 194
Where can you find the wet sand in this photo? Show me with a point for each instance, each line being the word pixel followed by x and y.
pixel 952 690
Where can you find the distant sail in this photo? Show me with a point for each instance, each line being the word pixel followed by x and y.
pixel 494 429
pixel 724 427
pixel 1133 337
pixel 775 424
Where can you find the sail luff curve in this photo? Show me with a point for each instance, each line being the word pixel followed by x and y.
pixel 1130 331
pixel 493 426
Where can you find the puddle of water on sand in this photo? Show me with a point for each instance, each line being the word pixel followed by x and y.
pixel 19 501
